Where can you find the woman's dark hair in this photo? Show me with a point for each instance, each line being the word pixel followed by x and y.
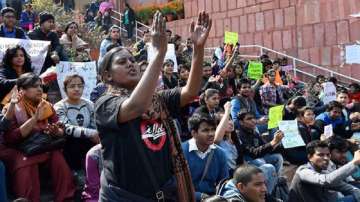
pixel 105 64
pixel 69 78
pixel 197 118
pixel 10 53
pixel 334 104
pixel 207 94
pixel 298 101
pixel 302 111
pixel 27 80
pixel 69 24
pixel 311 146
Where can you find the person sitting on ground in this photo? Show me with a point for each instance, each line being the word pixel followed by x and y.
pixel 247 185
pixel 316 181
pixel 292 107
pixel 15 62
pixel 77 114
pixel 209 103
pixel 271 93
pixel 333 116
pixel 207 162
pixel 168 77
pixel 44 33
pixel 34 116
pixel 243 100
pixel 256 151
pixel 75 47
pixel 112 38
pixel 8 28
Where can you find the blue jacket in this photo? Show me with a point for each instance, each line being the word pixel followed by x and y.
pixel 217 171
pixel 340 126
pixel 26 19
pixel 236 107
pixel 229 191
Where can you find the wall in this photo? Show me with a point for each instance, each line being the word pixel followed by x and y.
pixel 312 30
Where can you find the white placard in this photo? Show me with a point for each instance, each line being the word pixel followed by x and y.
pixel 292 137
pixel 35 48
pixel 329 92
pixel 85 69
pixel 352 54
pixel 328 131
pixel 170 54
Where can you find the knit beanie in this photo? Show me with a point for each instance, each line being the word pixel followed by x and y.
pixel 45 17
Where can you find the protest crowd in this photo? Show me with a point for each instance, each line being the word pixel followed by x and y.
pixel 155 120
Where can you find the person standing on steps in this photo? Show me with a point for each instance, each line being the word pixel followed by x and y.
pixel 129 20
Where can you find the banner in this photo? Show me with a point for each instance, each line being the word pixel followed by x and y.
pixel 85 69
pixel 35 48
pixel 231 38
pixel 292 137
pixel 170 54
pixel 287 68
pixel 255 70
pixel 329 92
pixel 275 116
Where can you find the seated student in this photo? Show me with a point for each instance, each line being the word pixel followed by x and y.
pixel 209 103
pixel 207 162
pixel 308 132
pixel 77 114
pixel 168 77
pixel 243 100
pixel 93 169
pixel 33 115
pixel 292 107
pixel 247 185
pixel 333 116
pixel 256 151
pixel 225 137
pixel 316 181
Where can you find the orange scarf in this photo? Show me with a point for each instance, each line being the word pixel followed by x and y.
pixel 31 109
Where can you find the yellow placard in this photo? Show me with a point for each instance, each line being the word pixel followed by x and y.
pixel 275 116
pixel 231 38
pixel 255 70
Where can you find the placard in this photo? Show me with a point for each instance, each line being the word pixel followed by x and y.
pixel 292 137
pixel 328 131
pixel 170 54
pixel 36 49
pixel 231 38
pixel 329 92
pixel 275 116
pixel 255 70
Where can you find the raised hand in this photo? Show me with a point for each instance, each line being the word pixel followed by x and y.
pixel 200 31
pixel 15 96
pixel 227 106
pixel 158 33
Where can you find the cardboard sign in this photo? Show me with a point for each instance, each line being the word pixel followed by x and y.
pixel 36 49
pixel 255 70
pixel 275 116
pixel 328 131
pixel 231 38
pixel 85 69
pixel 329 92
pixel 170 54
pixel 352 54
pixel 292 137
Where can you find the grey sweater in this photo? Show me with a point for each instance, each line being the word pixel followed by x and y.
pixel 309 185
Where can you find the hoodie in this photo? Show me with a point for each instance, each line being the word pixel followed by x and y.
pixel 230 192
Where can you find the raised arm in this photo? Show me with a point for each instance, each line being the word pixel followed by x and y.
pixel 140 99
pixel 221 128
pixel 199 34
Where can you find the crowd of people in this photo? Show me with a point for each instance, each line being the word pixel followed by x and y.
pixel 156 129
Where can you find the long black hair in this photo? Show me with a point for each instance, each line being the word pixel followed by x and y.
pixel 10 53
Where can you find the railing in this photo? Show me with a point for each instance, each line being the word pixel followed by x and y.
pixel 296 63
pixel 137 25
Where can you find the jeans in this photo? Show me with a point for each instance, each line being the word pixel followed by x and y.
pixel 274 159
pixel 2 183
pixel 129 29
pixel 270 176
pixel 348 198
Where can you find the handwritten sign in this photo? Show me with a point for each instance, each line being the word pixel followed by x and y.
pixel 85 69
pixel 292 138
pixel 328 131
pixel 287 68
pixel 170 54
pixel 36 49
pixel 275 116
pixel 329 92
pixel 255 70
pixel 231 38
pixel 352 54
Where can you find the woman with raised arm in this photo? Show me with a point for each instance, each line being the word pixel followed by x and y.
pixel 143 160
